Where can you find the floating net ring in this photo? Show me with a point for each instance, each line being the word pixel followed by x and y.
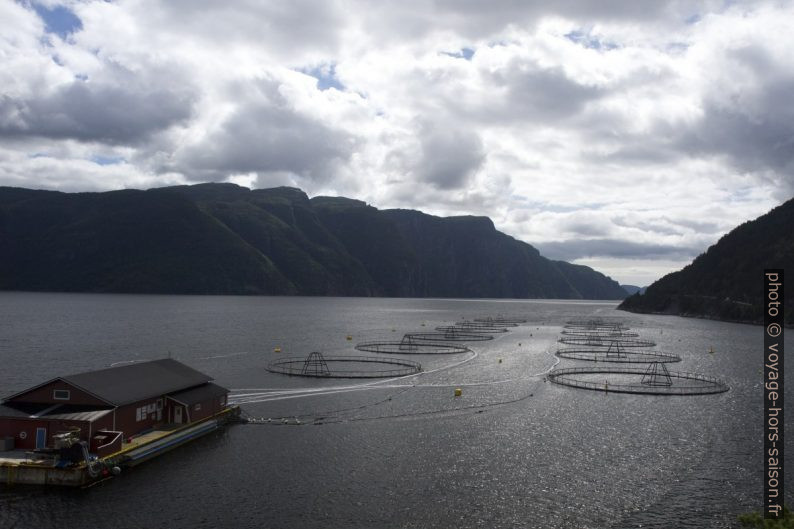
pixel 512 322
pixel 654 379
pixel 484 324
pixel 417 348
pixel 320 366
pixel 448 336
pixel 595 321
pixel 597 328
pixel 474 329
pixel 600 334
pixel 619 357
pixel 605 341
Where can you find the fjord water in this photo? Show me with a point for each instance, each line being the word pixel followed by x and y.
pixel 512 451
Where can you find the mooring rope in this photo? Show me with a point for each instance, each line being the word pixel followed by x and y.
pixel 319 418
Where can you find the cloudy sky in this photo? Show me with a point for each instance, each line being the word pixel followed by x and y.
pixel 621 134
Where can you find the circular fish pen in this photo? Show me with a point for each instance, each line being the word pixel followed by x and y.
pixel 654 379
pixel 597 328
pixel 600 334
pixel 605 341
pixel 408 346
pixel 449 336
pixel 486 324
pixel 472 328
pixel 319 366
pixel 510 322
pixel 596 324
pixel 618 357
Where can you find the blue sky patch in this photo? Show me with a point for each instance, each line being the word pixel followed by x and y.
pixel 59 20
pixel 326 77
pixel 464 53
pixel 107 160
pixel 694 19
pixel 589 41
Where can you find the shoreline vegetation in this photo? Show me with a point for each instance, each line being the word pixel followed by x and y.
pixel 756 520
pixel 725 283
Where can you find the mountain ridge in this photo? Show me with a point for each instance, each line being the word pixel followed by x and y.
pixel 227 239
pixel 726 281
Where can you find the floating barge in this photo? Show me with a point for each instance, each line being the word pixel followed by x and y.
pixel 81 429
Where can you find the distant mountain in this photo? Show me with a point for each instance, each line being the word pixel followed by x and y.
pixel 633 289
pixel 226 239
pixel 726 282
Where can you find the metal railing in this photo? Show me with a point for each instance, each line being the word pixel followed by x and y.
pixel 713 384
pixel 620 357
pixel 411 347
pixel 295 366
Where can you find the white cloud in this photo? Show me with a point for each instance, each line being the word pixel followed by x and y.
pixel 637 127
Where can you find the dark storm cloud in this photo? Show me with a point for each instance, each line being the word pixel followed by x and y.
pixel 576 249
pixel 475 19
pixel 541 93
pixel 450 157
pixel 94 112
pixel 265 134
pixel 653 226
pixel 702 227
pixel 753 125
pixel 582 227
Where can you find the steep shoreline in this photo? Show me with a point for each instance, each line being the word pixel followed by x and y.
pixel 227 239
pixel 726 282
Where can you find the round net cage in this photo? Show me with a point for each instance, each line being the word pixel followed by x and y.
pixel 653 379
pixel 604 341
pixel 321 366
pixel 410 346
pixel 472 328
pixel 449 336
pixel 596 324
pixel 599 334
pixel 475 323
pixel 501 320
pixel 617 355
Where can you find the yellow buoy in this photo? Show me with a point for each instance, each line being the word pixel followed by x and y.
pixel 500 360
pixel 349 337
pixel 277 349
pixel 458 392
pixel 711 350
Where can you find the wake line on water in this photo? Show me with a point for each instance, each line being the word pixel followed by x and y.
pixel 258 395
pixel 120 362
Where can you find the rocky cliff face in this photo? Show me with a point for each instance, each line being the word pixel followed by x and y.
pixel 225 239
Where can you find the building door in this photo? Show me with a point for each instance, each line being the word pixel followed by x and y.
pixel 41 437
pixel 178 414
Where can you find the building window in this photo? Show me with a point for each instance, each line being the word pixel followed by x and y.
pixel 197 407
pixel 60 394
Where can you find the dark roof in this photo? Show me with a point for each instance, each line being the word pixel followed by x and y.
pixel 199 394
pixel 134 382
pixel 63 412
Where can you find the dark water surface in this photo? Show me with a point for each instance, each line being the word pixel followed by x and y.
pixel 513 451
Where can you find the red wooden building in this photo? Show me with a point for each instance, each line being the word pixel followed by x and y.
pixel 130 399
